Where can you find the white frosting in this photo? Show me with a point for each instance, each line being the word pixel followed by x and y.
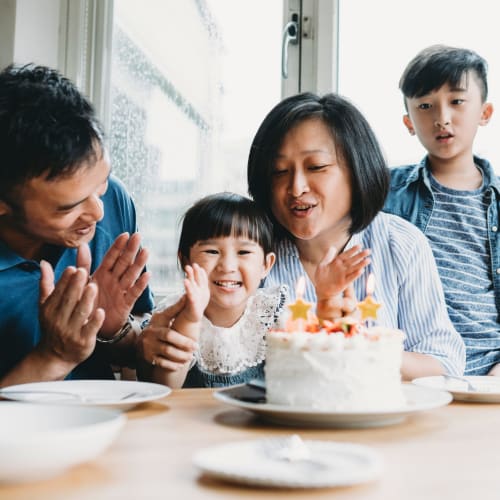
pixel 333 372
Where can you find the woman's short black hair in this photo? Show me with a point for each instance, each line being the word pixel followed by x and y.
pixel 436 65
pixel 221 215
pixel 47 126
pixel 355 142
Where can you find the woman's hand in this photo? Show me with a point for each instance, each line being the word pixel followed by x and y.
pixel 335 272
pixel 334 278
pixel 337 306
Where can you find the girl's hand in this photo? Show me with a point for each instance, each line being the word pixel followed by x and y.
pixel 197 293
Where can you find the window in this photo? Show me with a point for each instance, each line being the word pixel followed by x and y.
pixel 190 83
pixel 378 39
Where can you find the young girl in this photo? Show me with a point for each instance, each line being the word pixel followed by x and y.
pixel 218 337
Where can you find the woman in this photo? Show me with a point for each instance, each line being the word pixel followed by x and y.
pixel 316 168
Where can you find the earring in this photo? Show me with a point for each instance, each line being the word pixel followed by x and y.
pixel 412 131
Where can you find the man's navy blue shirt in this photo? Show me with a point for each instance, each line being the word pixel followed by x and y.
pixel 19 286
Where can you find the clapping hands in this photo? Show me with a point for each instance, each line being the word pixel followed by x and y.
pixel 172 335
pixel 334 278
pixel 73 311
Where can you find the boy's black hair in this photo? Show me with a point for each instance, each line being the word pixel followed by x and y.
pixel 221 215
pixel 436 65
pixel 354 140
pixel 47 127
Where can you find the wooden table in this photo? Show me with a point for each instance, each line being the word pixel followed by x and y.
pixel 449 453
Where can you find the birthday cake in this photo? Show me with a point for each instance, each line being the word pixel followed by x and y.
pixel 343 365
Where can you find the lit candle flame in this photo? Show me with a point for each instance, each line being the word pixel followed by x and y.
pixel 370 284
pixel 300 288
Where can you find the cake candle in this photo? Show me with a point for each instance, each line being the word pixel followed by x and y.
pixel 299 308
pixel 369 306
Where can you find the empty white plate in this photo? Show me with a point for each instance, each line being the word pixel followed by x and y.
pixel 257 463
pixel 119 394
pixel 40 441
pixel 487 388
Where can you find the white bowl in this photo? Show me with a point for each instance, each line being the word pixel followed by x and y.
pixel 39 441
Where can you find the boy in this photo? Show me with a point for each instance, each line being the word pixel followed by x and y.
pixel 452 195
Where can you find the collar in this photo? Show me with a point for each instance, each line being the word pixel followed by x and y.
pixel 421 171
pixel 8 258
pixel 490 178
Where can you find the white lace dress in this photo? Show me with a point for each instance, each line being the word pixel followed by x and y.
pixel 234 355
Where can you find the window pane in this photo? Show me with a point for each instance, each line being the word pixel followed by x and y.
pixel 378 39
pixel 191 81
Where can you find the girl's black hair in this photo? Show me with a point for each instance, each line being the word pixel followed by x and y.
pixel 222 215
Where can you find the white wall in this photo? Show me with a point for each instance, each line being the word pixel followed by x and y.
pixel 7 27
pixel 37 32
pixel 30 32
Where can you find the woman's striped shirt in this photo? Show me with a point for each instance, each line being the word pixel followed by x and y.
pixel 407 286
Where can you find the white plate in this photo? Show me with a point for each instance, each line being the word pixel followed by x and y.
pixel 417 399
pixel 488 388
pixel 40 441
pixel 119 394
pixel 249 462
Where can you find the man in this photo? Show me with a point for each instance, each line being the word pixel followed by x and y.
pixel 63 219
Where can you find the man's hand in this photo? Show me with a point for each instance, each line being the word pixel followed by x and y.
pixel 119 278
pixel 69 320
pixel 161 346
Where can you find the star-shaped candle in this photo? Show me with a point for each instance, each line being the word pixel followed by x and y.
pixel 299 309
pixel 369 306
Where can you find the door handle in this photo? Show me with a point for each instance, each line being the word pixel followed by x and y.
pixel 290 36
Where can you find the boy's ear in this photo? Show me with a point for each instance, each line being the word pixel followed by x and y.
pixel 408 124
pixel 269 261
pixel 486 113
